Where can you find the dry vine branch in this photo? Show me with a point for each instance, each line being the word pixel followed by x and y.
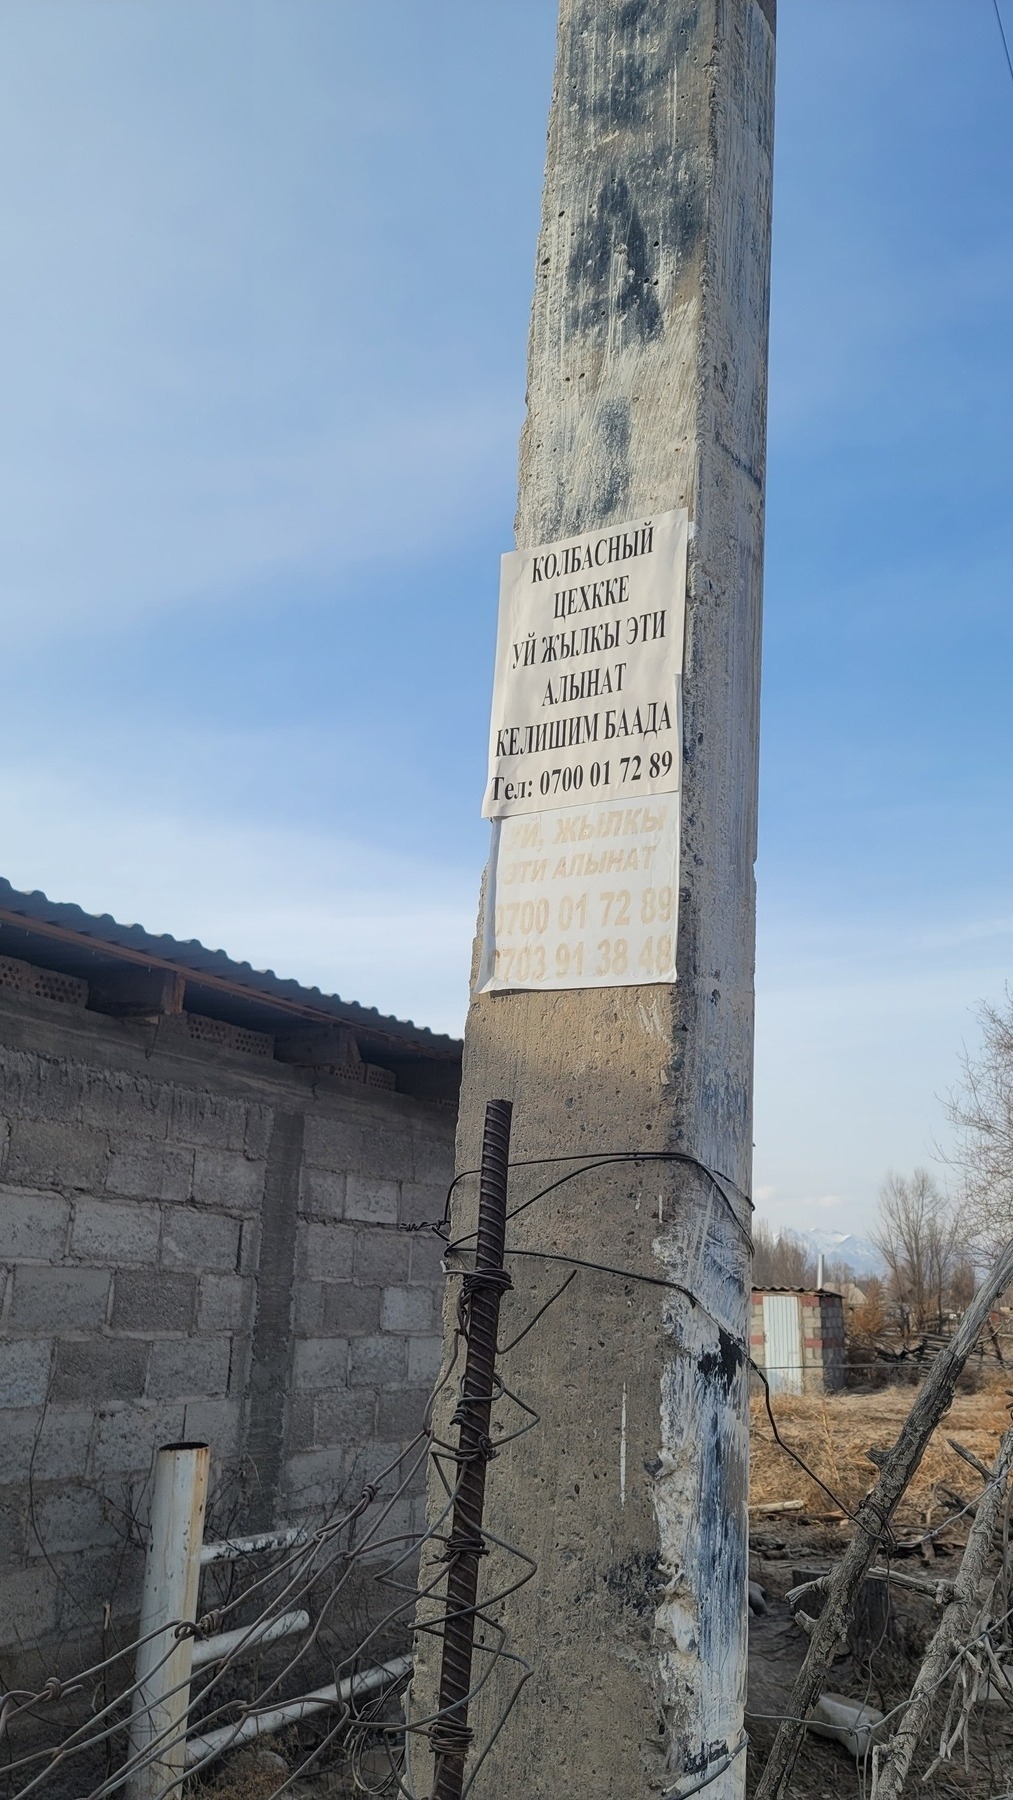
pixel 871 1523
pixel 955 1628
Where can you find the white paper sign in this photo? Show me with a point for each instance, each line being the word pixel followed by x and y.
pixel 583 897
pixel 588 661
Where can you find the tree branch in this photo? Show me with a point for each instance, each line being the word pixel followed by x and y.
pixel 955 1627
pixel 871 1522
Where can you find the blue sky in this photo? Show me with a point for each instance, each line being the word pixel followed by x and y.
pixel 264 284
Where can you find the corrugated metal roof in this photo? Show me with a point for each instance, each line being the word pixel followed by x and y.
pixel 34 927
pixel 834 1293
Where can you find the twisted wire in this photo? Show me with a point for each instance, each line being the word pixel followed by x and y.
pixel 361 1537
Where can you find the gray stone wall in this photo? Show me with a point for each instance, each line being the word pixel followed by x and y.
pixel 195 1243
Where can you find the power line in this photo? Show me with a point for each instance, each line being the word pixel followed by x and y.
pixel 1002 34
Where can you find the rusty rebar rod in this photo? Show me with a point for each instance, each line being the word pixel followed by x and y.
pixel 483 1287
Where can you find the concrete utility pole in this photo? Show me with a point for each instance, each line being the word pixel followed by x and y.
pixel 646 392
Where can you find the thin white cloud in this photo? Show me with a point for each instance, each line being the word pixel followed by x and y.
pixel 385 929
pixel 99 542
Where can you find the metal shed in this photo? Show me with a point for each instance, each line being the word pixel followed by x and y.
pixel 796 1336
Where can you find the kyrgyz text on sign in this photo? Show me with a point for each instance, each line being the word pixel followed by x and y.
pixel 588 661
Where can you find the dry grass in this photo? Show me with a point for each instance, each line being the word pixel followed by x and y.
pixel 832 1433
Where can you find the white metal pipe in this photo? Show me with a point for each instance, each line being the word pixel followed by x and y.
pixel 232 1548
pixel 354 1687
pixel 171 1580
pixel 248 1637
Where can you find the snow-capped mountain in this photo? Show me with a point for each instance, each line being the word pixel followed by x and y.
pixel 845 1246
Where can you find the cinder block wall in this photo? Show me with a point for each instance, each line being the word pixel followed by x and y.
pixel 823 1342
pixel 194 1243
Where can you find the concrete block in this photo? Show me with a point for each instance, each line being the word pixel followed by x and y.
pixel 426 1263
pixel 377 1361
pixel 397 1530
pixel 433 1154
pixel 309 1308
pixel 62 1156
pixel 50 1444
pixel 13 1527
pixel 24 1373
pixel 39 1087
pixel 388 1153
pixel 350 1310
pixel 213 1121
pixel 189 1366
pixel 224 1303
pixel 153 1299
pixel 322 1193
pixel 137 1491
pixel 218 1423
pixel 374 1202
pixel 300 1428
pixel 59 1299
pixel 422 1203
pixel 199 1240
pixel 112 1100
pixel 127 1437
pixel 400 1413
pixel 109 1368
pixel 33 1226
pixel 325 1251
pixel 319 1363
pixel 240 1363
pixel 110 1232
pixel 424 1358
pixel 74 1518
pixel 314 1479
pixel 227 1179
pixel 28 1607
pixel 381 1257
pixel 407 1309
pixel 257 1137
pixel 249 1247
pixel 113 1575
pixel 345 1416
pixel 376 1463
pixel 334 1143
pixel 149 1171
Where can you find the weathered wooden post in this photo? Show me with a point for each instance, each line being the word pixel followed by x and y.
pixel 642 457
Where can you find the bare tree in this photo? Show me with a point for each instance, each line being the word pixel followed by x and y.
pixel 781 1259
pixel 784 1259
pixel 869 1319
pixel 918 1240
pixel 963 1282
pixel 982 1111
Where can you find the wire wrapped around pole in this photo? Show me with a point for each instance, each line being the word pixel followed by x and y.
pixel 450 1736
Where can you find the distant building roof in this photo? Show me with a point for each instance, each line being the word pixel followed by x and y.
pixel 834 1293
pixel 88 945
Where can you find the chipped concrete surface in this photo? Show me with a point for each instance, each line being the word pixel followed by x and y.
pixel 647 379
